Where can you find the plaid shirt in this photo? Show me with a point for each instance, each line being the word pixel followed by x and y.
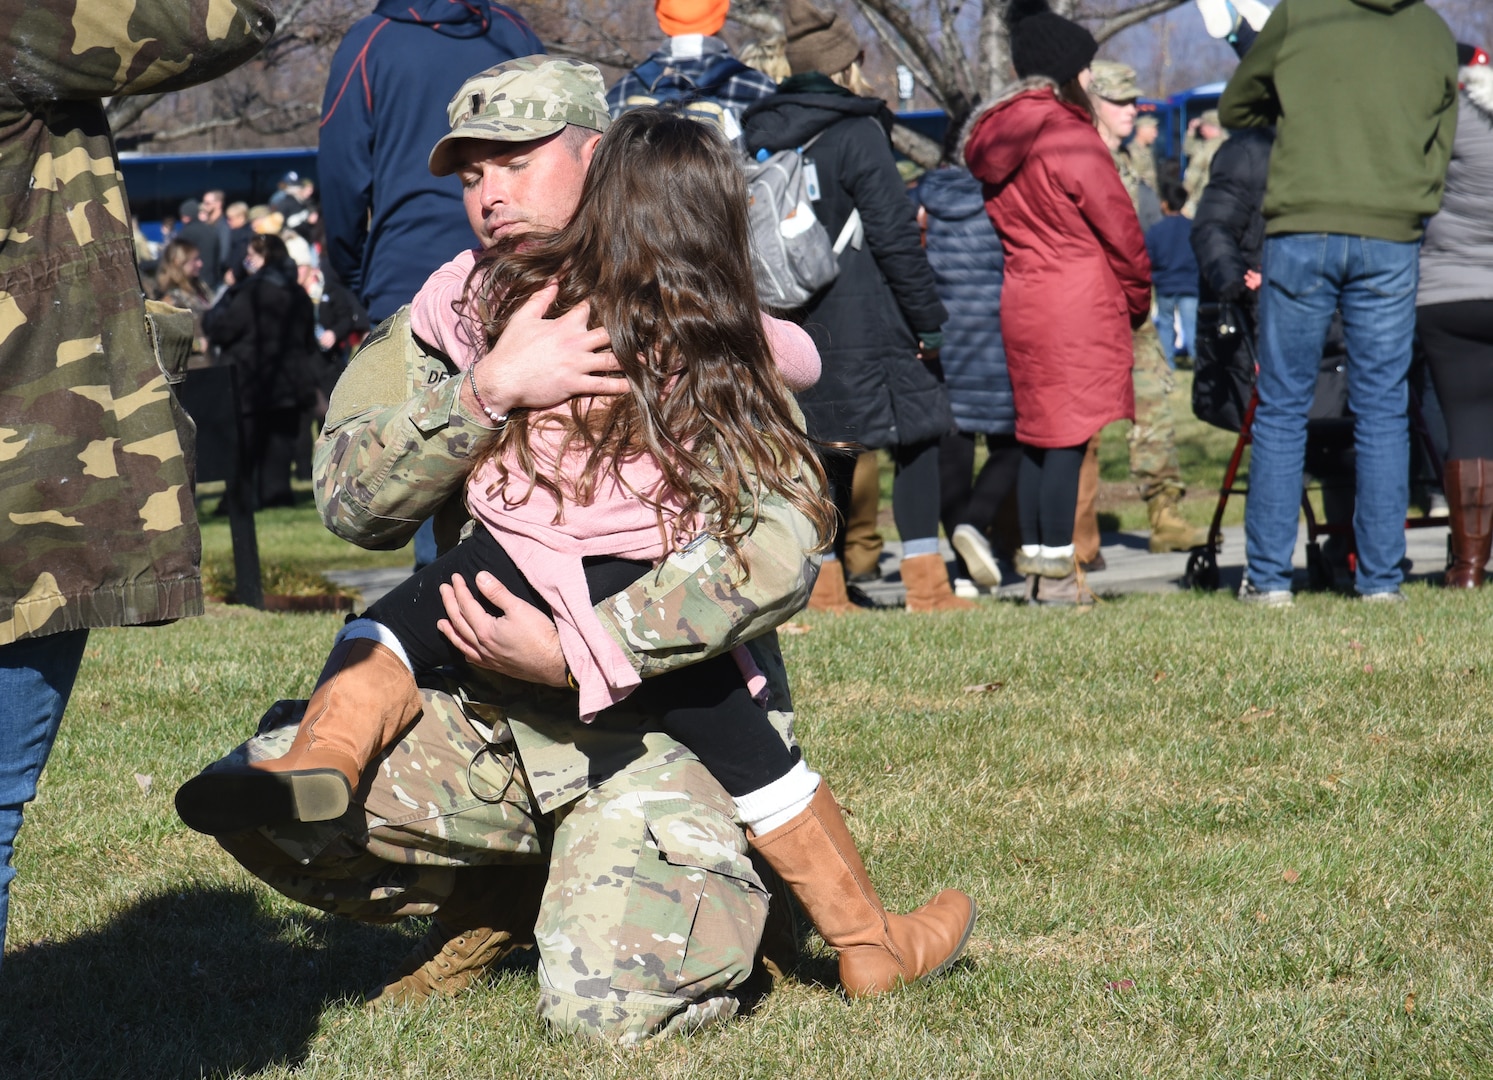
pixel 737 93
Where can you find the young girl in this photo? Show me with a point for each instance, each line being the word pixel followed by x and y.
pixel 589 495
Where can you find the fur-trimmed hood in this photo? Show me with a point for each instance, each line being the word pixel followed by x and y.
pixel 1477 84
pixel 1020 86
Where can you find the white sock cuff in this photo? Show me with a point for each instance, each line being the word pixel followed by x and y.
pixel 779 802
pixel 375 631
pixel 1057 551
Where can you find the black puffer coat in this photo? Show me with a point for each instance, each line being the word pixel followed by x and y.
pixel 873 389
pixel 266 325
pixel 968 265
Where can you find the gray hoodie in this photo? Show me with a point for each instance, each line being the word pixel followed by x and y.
pixel 1456 259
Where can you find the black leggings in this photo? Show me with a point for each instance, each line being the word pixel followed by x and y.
pixel 706 706
pixel 1047 496
pixel 914 490
pixel 1458 339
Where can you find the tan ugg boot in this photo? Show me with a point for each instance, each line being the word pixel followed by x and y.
pixel 366 697
pixel 879 951
pixel 927 581
pixel 1170 531
pixel 490 913
pixel 829 593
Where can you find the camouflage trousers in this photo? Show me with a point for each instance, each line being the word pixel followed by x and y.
pixel 1153 436
pixel 652 913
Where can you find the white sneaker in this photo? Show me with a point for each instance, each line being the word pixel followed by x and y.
pixel 966 589
pixel 974 549
pixel 1218 18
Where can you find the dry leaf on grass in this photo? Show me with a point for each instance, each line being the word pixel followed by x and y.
pixel 1120 984
pixel 1410 1003
pixel 1158 676
pixel 145 783
pixel 1251 714
pixel 788 629
pixel 984 688
pixel 1291 877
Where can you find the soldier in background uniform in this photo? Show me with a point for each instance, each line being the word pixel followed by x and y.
pixel 1153 450
pixel 97 521
pixel 1204 136
pixel 499 803
pixel 1141 149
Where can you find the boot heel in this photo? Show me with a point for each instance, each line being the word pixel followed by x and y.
pixel 228 801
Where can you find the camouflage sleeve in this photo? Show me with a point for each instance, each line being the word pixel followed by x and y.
pixel 398 444
pixel 59 50
pixel 698 604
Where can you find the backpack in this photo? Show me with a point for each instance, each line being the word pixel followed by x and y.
pixel 665 85
pixel 791 251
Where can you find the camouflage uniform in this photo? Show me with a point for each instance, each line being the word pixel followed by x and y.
pixel 652 912
pixel 1200 153
pixel 97 521
pixel 1153 436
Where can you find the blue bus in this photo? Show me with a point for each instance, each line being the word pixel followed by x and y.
pixel 1175 112
pixel 158 183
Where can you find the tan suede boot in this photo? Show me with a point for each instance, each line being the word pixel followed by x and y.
pixel 365 699
pixel 879 951
pixel 490 913
pixel 829 593
pixel 927 581
pixel 1170 531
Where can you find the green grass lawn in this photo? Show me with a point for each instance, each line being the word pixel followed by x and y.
pixel 1205 841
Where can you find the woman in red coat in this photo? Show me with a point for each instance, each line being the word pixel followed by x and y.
pixel 1077 277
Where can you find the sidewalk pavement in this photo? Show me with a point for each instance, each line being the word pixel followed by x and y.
pixel 1131 568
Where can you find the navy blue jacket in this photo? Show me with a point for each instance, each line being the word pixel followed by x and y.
pixel 968 267
pixel 385 107
pixel 1174 268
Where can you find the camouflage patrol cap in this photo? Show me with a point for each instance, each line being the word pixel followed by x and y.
pixel 1210 118
pixel 1114 81
pixel 1148 118
pixel 519 100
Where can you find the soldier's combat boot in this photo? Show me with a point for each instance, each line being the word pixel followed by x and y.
pixel 879 951
pixel 1170 531
pixel 490 913
pixel 366 697
pixel 927 581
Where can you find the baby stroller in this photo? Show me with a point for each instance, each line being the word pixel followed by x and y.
pixel 1224 395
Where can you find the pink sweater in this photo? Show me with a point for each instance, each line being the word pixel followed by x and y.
pixel 522 516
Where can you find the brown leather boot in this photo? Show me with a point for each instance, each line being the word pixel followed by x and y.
pixel 928 589
pixel 366 697
pixel 1469 500
pixel 815 854
pixel 829 593
pixel 490 913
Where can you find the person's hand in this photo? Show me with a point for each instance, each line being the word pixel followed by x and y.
pixel 1252 280
pixel 521 643
pixel 539 362
pixel 326 339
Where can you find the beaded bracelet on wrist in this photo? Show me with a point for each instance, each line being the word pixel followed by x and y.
pixel 498 419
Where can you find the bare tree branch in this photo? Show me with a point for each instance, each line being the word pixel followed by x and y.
pixel 946 85
pixel 919 148
pixel 1123 20
pixel 289 117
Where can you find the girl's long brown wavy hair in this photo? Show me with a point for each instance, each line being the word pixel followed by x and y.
pixel 659 248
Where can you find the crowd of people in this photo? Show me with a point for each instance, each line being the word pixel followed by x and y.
pixel 573 730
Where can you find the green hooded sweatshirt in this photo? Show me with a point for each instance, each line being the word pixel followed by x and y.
pixel 1364 97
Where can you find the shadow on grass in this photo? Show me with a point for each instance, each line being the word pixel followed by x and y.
pixel 202 982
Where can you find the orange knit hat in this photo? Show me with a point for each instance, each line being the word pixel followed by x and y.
pixel 677 17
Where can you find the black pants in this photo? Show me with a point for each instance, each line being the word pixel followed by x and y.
pixel 705 706
pixel 914 490
pixel 1458 340
pixel 1048 495
pixel 975 500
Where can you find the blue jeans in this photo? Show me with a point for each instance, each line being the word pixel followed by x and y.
pixel 1373 283
pixel 1168 309
pixel 36 677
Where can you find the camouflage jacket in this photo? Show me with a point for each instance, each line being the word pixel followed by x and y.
pixel 1200 153
pixel 397 447
pixel 98 526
